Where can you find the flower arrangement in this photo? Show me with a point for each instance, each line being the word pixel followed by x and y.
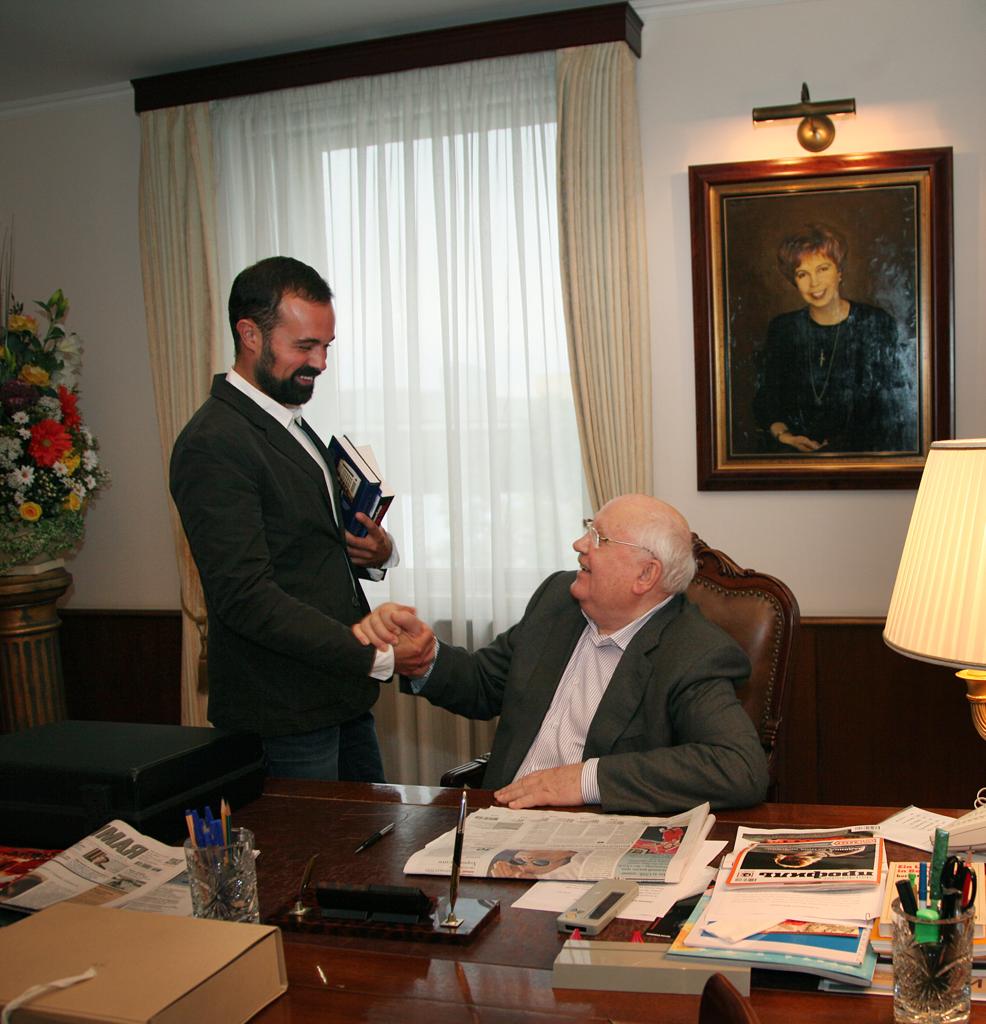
pixel 49 466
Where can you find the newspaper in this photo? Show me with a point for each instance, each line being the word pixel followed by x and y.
pixel 501 843
pixel 804 858
pixel 116 866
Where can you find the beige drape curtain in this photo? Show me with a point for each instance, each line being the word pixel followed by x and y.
pixel 184 322
pixel 604 266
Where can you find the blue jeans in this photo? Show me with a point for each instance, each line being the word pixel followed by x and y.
pixel 346 753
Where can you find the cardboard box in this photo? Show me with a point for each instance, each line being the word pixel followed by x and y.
pixel 150 968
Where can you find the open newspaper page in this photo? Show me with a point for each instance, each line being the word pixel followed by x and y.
pixel 116 866
pixel 830 858
pixel 581 846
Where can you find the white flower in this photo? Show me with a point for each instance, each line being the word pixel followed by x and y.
pixel 60 468
pixel 20 417
pixel 51 408
pixel 19 500
pixel 20 477
pixel 79 488
pixel 70 346
pixel 90 482
pixel 90 460
pixel 10 449
pixel 24 432
pixel 86 435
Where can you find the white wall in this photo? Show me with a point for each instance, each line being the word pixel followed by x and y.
pixel 917 73
pixel 69 178
pixel 69 175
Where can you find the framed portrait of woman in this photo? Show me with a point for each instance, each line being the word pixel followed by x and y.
pixel 823 319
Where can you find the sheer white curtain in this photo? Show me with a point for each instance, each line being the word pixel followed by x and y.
pixel 428 200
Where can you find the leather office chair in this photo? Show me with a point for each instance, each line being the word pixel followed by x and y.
pixel 722 1004
pixel 761 614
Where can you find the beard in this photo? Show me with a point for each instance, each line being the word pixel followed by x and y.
pixel 287 391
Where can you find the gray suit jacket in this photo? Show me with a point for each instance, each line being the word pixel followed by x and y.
pixel 669 732
pixel 277 581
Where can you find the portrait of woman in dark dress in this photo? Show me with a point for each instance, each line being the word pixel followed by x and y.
pixel 831 377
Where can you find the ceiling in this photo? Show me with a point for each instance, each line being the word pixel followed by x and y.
pixel 53 47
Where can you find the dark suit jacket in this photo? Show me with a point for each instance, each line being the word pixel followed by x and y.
pixel 669 731
pixel 274 569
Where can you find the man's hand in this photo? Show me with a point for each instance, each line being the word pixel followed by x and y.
pixel 384 625
pixel 552 787
pixel 398 626
pixel 371 551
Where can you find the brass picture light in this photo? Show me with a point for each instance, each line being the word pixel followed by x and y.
pixel 816 131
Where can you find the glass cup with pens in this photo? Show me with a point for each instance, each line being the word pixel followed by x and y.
pixel 932 948
pixel 222 870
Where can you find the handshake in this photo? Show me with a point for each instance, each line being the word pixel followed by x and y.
pixel 398 626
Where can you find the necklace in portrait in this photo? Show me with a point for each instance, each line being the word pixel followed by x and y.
pixel 819 392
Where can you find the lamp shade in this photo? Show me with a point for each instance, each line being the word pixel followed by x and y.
pixel 938 608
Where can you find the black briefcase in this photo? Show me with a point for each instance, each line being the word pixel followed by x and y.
pixel 62 781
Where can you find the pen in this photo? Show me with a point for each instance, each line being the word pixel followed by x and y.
pixel 451 920
pixel 375 838
pixel 923 882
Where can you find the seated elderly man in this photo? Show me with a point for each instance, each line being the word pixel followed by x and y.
pixel 613 689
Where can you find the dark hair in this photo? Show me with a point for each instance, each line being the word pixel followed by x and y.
pixel 258 290
pixel 811 238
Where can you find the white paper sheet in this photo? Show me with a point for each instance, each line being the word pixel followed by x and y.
pixel 913 827
pixel 655 898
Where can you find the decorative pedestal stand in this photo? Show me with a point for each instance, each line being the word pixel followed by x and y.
pixel 32 691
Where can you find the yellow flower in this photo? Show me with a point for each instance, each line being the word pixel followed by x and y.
pixel 73 502
pixel 71 459
pixel 34 375
pixel 31 511
pixel 20 322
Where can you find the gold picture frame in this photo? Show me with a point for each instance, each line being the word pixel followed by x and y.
pixel 761 361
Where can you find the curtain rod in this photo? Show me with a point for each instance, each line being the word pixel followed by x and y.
pixel 506 38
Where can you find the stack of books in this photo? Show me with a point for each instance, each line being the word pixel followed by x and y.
pixel 794 901
pixel 361 485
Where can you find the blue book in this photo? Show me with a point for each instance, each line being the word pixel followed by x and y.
pixel 852 974
pixel 360 487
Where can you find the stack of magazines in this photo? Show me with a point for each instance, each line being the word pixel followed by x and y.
pixel 793 900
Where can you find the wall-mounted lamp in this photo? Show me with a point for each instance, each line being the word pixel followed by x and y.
pixel 816 130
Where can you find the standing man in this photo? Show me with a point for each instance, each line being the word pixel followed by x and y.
pixel 613 688
pixel 281 577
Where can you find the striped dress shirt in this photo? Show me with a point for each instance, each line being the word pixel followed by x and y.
pixel 561 739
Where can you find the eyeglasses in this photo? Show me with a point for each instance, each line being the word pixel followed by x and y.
pixel 598 538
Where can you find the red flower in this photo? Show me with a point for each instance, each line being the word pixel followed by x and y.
pixel 70 407
pixel 49 442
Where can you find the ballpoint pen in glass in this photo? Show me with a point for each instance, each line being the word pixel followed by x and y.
pixel 451 921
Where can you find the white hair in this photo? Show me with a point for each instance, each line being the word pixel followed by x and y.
pixel 667 536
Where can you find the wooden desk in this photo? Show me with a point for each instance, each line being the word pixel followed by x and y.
pixel 504 975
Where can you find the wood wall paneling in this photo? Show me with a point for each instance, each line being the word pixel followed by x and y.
pixel 122 666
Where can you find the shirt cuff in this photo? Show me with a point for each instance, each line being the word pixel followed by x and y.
pixel 383 665
pixel 590 784
pixel 377 573
pixel 417 683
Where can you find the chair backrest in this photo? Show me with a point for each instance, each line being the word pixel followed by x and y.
pixel 762 616
pixel 722 1004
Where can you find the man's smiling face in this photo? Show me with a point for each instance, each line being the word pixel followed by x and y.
pixel 293 353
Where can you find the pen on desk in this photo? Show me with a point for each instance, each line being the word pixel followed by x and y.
pixel 375 838
pixel 451 920
pixel 923 883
